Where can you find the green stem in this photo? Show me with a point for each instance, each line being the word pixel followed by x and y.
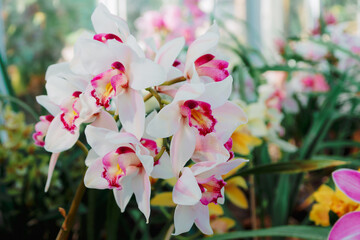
pixel 173 81
pixel 156 95
pixel 158 156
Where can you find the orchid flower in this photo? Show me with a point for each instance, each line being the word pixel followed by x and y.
pixel 70 104
pixel 197 109
pixel 120 73
pixel 201 61
pixel 119 161
pixel 347 227
pixel 195 189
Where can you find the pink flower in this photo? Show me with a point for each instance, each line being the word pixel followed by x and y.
pixel 41 129
pixel 315 83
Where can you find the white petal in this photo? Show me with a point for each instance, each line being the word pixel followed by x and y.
pixel 184 218
pixel 105 120
pixel 93 176
pixel 202 220
pixel 94 57
pixel 59 139
pixel 163 169
pixel 200 47
pixel 166 122
pixel 147 161
pixel 217 93
pixel 96 137
pixel 146 73
pixel 169 52
pixel 131 41
pixel 122 197
pixel 182 147
pixel 186 190
pixel 142 190
pixel 53 159
pixel 131 109
pixel 189 91
pixel 105 22
pixel 229 116
pixel 91 157
pixel 51 107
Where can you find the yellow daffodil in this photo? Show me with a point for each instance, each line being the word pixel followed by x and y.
pixel 329 200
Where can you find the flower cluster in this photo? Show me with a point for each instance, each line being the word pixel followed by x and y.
pixel 172 21
pixel 103 87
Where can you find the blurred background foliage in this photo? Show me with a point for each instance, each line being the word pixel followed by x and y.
pixel 38 33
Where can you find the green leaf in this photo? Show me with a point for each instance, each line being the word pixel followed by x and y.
pixel 293 166
pixel 303 232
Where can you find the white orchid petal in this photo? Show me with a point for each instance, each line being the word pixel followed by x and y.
pixel 167 54
pixel 93 176
pixel 131 109
pixel 59 139
pixel 146 73
pixel 142 189
pixel 51 107
pixel 53 159
pixel 166 122
pixel 202 220
pixel 186 190
pixel 229 116
pixel 184 218
pixel 182 147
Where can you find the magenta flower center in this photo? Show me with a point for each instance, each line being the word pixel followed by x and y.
pixel 199 115
pixel 211 189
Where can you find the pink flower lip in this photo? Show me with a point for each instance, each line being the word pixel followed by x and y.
pixel 208 65
pixel 210 189
pixel 107 84
pixel 119 66
pixel 38 138
pixel 228 145
pixel 150 145
pixel 123 150
pixel 76 94
pixel 70 114
pixel 199 115
pixel 49 118
pixel 104 37
pixel 114 168
pixel 176 63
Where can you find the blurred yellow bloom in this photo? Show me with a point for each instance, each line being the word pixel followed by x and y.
pixel 329 200
pixel 243 141
pixel 219 224
pixel 163 199
pixel 232 191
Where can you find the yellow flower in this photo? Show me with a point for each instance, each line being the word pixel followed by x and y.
pixel 232 191
pixel 219 224
pixel 327 199
pixel 243 141
pixel 163 199
pixel 320 214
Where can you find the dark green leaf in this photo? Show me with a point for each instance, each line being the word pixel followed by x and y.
pixel 293 166
pixel 303 232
